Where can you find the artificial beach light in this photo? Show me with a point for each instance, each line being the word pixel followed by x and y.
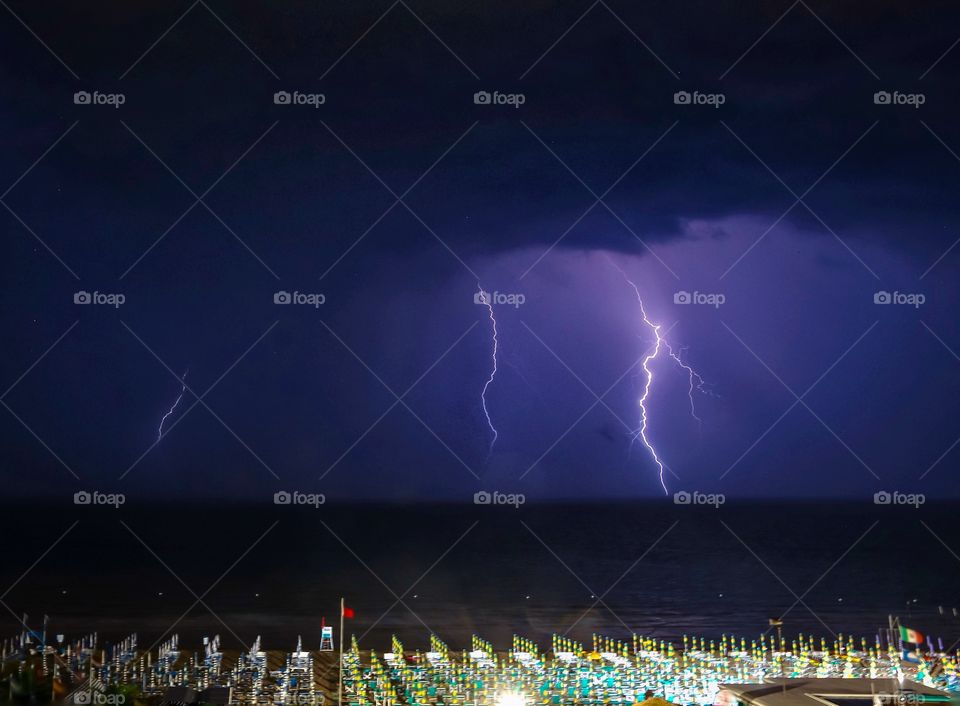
pixel 511 698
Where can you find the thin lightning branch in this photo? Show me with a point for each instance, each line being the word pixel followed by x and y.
pixel 695 382
pixel 486 299
pixel 661 344
pixel 183 382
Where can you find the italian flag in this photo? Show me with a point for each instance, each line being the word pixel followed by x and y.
pixel 908 635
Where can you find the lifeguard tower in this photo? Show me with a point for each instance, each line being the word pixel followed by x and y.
pixel 326 636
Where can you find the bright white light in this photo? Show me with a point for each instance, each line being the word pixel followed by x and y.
pixel 511 699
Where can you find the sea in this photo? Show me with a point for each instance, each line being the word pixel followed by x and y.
pixel 657 569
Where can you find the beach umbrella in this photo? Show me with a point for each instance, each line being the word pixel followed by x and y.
pixel 655 701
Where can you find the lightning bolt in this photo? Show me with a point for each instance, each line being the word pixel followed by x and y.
pixel 175 404
pixel 486 300
pixel 642 431
pixel 695 380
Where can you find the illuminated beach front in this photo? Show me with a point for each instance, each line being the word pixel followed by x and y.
pixel 605 671
pixel 614 671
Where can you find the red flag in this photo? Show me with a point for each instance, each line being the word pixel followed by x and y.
pixel 347 612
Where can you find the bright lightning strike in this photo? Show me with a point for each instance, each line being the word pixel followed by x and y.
pixel 642 431
pixel 696 382
pixel 485 298
pixel 183 382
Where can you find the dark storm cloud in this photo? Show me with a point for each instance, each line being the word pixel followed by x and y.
pixel 598 99
pixel 295 187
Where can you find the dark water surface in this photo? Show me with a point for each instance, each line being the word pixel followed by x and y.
pixel 488 570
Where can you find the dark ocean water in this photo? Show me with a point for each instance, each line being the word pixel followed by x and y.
pixel 661 570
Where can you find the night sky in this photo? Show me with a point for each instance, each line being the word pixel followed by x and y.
pixel 798 200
